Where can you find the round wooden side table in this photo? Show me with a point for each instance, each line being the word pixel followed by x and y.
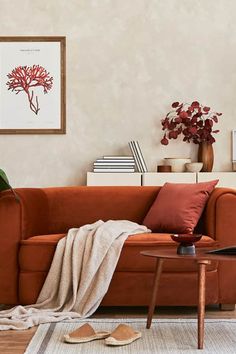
pixel 202 259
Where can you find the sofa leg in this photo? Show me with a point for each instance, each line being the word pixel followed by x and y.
pixel 227 307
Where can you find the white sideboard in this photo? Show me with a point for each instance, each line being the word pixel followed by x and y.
pixel 114 179
pixel 160 178
pixel 226 179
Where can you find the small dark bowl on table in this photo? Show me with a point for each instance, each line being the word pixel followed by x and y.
pixel 186 243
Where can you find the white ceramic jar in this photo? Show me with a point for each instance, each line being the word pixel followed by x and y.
pixel 177 164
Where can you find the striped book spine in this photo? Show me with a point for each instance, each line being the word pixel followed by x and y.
pixel 135 155
pixel 140 155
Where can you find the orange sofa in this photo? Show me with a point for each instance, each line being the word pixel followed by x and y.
pixel 31 228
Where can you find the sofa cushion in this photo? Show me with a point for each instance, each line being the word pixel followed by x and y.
pixel 178 207
pixel 36 253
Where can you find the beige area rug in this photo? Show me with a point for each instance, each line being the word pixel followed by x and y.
pixel 165 336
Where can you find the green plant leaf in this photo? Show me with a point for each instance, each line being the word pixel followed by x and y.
pixel 4 183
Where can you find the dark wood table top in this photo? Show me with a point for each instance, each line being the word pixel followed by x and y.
pixel 171 253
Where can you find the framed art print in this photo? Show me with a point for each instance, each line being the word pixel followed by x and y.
pixel 32 85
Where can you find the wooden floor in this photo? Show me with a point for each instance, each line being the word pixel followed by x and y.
pixel 15 342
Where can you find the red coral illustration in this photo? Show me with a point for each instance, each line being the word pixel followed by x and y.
pixel 25 78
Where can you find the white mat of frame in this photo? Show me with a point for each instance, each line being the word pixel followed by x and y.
pixel 172 336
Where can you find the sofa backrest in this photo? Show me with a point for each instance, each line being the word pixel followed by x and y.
pixel 56 210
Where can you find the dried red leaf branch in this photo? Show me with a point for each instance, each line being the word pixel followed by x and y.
pixel 194 121
pixel 24 78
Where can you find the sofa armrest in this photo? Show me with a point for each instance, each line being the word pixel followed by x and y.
pixel 220 216
pixel 10 235
pixel 221 224
pixel 19 219
pixel 34 211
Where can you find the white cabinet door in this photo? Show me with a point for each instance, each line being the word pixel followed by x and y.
pixel 160 178
pixel 113 179
pixel 226 179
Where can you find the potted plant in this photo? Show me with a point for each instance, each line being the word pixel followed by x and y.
pixel 195 123
pixel 4 184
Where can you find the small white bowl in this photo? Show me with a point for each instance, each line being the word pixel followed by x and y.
pixel 194 166
pixel 177 164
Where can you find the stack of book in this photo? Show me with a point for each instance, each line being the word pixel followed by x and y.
pixel 114 164
pixel 138 156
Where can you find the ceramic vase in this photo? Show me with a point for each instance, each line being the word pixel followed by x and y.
pixel 206 156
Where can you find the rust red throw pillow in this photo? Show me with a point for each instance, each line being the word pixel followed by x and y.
pixel 178 207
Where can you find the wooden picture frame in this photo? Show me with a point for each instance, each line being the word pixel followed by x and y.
pixel 32 85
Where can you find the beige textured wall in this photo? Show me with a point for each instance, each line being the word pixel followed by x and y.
pixel 127 60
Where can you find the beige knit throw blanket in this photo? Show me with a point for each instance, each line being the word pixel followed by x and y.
pixel 79 277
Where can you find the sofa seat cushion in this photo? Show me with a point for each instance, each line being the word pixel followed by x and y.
pixel 36 253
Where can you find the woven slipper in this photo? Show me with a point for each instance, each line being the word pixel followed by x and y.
pixel 122 335
pixel 84 334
